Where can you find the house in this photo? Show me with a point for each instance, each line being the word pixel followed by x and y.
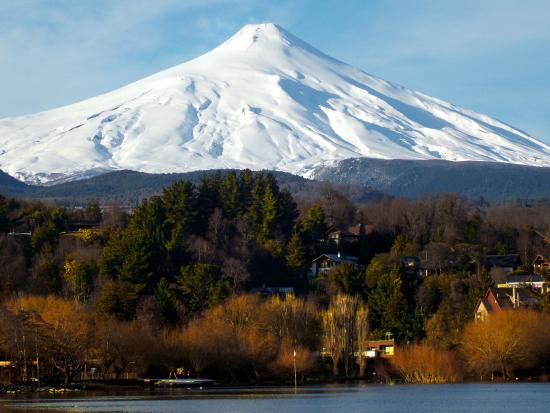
pixel 500 299
pixel 493 302
pixel 410 262
pixel 7 372
pixel 327 262
pixel 339 236
pixel 19 234
pixel 380 348
pixel 508 263
pixel 272 291
pixel 541 265
pixel 533 281
pixel 411 267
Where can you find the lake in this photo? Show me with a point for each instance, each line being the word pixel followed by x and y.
pixel 458 398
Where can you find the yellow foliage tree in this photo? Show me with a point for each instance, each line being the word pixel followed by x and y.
pixel 506 341
pixel 67 335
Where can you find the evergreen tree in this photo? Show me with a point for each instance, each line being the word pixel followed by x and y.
pixel 314 229
pixel 181 212
pixel 208 198
pixel 295 258
pixel 46 271
pixel 137 265
pixel 246 185
pixel 44 234
pixel 230 195
pixel 269 215
pixel 137 254
pixel 400 317
pixel 113 254
pixel 381 282
pixel 166 303
pixel 202 286
pixel 93 212
pixel 255 209
pixel 346 279
pixel 117 299
pixel 4 221
pixel 287 213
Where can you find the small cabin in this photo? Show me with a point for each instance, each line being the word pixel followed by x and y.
pixel 380 348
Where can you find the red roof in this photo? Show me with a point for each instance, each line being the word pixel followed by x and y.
pixel 495 301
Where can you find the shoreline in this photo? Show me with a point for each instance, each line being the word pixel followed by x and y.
pixel 91 388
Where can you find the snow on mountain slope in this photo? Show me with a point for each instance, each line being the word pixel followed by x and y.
pixel 264 99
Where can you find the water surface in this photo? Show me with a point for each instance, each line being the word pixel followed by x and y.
pixel 459 398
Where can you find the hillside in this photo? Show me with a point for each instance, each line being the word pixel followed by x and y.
pixel 409 178
pixel 129 187
pixel 360 179
pixel 10 185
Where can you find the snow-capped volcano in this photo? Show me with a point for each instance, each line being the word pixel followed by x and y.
pixel 264 99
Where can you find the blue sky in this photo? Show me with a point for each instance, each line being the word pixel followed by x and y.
pixel 492 56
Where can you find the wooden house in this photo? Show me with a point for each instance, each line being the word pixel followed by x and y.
pixel 327 262
pixel 500 299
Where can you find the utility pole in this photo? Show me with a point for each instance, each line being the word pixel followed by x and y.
pixel 295 374
pixel 37 358
pixel 24 359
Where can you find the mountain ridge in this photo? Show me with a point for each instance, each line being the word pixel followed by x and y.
pixel 130 187
pixel 493 181
pixel 263 99
pixel 361 179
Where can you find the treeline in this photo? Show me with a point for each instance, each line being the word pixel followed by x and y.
pixel 504 346
pixel 244 339
pixel 175 269
pixel 251 339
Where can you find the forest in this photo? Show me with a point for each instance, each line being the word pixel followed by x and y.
pixel 178 286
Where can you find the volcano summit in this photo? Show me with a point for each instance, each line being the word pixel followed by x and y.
pixel 264 99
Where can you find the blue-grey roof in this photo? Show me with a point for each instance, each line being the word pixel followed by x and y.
pixel 341 258
pixel 524 278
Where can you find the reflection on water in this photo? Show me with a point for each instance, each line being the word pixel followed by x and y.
pixel 461 398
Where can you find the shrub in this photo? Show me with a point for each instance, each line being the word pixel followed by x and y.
pixel 421 363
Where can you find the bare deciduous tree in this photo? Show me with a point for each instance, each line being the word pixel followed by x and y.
pixel 345 329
